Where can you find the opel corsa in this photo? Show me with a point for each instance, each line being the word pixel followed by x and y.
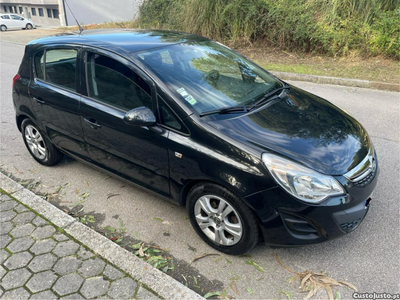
pixel 250 156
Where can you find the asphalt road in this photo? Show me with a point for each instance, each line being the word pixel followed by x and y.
pixel 368 257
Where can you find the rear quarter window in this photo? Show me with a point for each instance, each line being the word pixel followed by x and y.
pixel 39 65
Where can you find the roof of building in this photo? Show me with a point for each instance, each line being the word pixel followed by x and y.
pixel 129 40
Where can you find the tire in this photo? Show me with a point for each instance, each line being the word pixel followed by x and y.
pixel 38 145
pixel 240 220
pixel 29 26
pixel 3 28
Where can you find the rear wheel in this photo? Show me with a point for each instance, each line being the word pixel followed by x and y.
pixel 3 28
pixel 221 219
pixel 41 149
pixel 29 26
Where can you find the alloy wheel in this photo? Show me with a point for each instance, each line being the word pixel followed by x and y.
pixel 35 142
pixel 218 220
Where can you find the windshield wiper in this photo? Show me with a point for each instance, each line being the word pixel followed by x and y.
pixel 225 110
pixel 270 96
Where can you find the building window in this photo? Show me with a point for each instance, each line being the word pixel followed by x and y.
pixel 20 10
pixel 49 12
pixel 33 11
pixel 55 13
pixel 41 12
pixel 5 8
pixel 15 10
pixel 10 9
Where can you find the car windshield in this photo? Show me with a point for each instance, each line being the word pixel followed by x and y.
pixel 208 75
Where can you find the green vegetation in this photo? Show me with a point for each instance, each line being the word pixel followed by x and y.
pixel 333 27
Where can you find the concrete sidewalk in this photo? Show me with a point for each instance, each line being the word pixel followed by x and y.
pixel 47 254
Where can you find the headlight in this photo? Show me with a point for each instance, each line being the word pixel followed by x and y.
pixel 301 182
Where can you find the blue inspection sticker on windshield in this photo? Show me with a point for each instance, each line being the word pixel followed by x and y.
pixel 189 98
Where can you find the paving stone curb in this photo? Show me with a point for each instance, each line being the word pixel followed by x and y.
pixel 162 284
pixel 338 81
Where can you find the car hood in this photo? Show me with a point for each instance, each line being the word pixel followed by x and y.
pixel 305 128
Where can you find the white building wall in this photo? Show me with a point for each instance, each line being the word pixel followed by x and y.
pixel 100 11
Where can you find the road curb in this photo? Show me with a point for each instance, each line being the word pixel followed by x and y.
pixel 338 81
pixel 162 284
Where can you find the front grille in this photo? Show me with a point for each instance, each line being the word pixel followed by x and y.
pixel 364 172
pixel 350 226
pixel 365 181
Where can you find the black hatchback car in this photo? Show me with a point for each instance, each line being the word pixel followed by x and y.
pixel 249 155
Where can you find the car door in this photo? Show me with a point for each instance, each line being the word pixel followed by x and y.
pixel 140 154
pixel 17 21
pixel 54 92
pixel 6 20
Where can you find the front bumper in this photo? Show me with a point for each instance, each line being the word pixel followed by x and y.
pixel 285 221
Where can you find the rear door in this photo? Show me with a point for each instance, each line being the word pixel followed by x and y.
pixel 6 20
pixel 140 154
pixel 55 97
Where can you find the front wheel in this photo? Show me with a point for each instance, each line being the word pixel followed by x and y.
pixel 221 219
pixel 29 26
pixel 3 28
pixel 41 149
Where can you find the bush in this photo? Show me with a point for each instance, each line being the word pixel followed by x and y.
pixel 333 27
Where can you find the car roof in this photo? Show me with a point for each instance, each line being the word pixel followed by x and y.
pixel 122 40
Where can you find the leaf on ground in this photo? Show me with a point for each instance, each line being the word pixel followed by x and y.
pixel 338 296
pixel 249 290
pixel 234 288
pixel 110 195
pixel 204 255
pixel 158 219
pixel 236 278
pixel 141 253
pixel 212 294
pixel 253 263
pixel 228 261
pixel 135 246
pixel 84 195
pixel 78 202
pixel 110 229
pixel 312 282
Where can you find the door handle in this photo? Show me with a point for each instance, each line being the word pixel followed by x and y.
pixel 92 122
pixel 39 100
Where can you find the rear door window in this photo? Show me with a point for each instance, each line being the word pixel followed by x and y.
pixel 57 66
pixel 113 83
pixel 61 67
pixel 5 17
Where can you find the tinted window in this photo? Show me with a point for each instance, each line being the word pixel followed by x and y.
pixel 168 117
pixel 208 76
pixel 20 10
pixel 55 13
pixel 5 8
pixel 49 12
pixel 10 8
pixel 5 17
pixel 114 83
pixel 41 12
pixel 33 11
pixel 39 65
pixel 61 67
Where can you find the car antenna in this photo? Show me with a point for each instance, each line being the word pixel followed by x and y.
pixel 79 25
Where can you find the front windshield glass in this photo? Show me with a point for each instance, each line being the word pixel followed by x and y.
pixel 207 75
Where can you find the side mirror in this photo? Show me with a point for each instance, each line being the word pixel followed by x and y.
pixel 141 116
